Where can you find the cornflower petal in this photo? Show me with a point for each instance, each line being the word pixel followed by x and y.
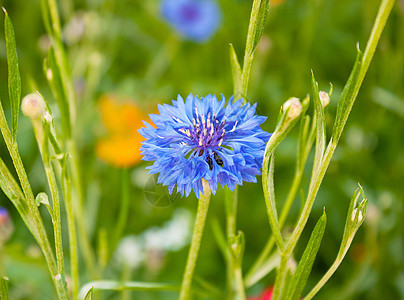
pixel 201 138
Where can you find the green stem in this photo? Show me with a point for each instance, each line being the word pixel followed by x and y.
pixel 383 14
pixel 266 184
pixel 300 164
pixel 203 206
pixel 126 275
pixel 231 201
pixel 324 279
pixel 284 213
pixel 162 61
pixel 384 11
pixel 123 212
pixel 74 259
pixel 84 241
pixel 41 134
pixel 42 139
pixel 280 278
pixel 39 229
pixel 57 225
pixel 249 50
pixel 240 88
pixel 52 24
pixel 240 295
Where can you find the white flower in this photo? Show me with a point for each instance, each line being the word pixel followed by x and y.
pixel 174 235
pixel 130 252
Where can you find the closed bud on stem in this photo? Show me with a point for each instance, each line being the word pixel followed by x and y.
pixel 360 216
pixel 33 106
pixel 324 98
pixel 293 108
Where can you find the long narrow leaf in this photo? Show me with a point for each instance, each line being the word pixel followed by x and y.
pixel 261 20
pixel 113 285
pixel 4 288
pixel 14 77
pixel 347 98
pixel 303 270
pixel 13 192
pixel 320 124
pixel 236 71
pixel 53 73
pixel 90 294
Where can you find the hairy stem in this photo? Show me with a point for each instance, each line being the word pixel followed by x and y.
pixel 203 206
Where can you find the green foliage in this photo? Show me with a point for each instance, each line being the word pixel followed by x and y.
pixel 14 77
pixel 305 265
pixel 4 288
pixel 126 49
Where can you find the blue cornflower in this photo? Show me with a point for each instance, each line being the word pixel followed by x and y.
pixel 204 139
pixel 196 20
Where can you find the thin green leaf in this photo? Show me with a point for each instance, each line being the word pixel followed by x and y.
pixel 320 124
pixel 112 285
pixel 236 71
pixel 270 264
pixel 388 100
pixel 210 289
pixel 4 288
pixel 269 193
pixel 261 20
pixel 220 238
pixel 61 286
pixel 347 98
pixel 90 294
pixel 302 140
pixel 14 77
pixel 305 265
pixel 13 192
pixel 53 73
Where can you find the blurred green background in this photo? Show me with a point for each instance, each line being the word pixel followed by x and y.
pixel 126 49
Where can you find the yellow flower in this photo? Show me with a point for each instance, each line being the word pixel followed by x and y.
pixel 122 119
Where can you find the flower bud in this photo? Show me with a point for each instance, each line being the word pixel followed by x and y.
pixel 324 98
pixel 360 216
pixel 33 106
pixel 294 106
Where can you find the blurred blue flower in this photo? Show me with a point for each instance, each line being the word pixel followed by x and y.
pixel 6 225
pixel 196 20
pixel 204 139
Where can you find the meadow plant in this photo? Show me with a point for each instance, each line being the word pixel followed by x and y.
pixel 194 144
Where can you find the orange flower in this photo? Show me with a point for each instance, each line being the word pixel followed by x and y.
pixel 276 2
pixel 121 147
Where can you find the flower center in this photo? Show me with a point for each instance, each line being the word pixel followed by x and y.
pixel 206 133
pixel 190 12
